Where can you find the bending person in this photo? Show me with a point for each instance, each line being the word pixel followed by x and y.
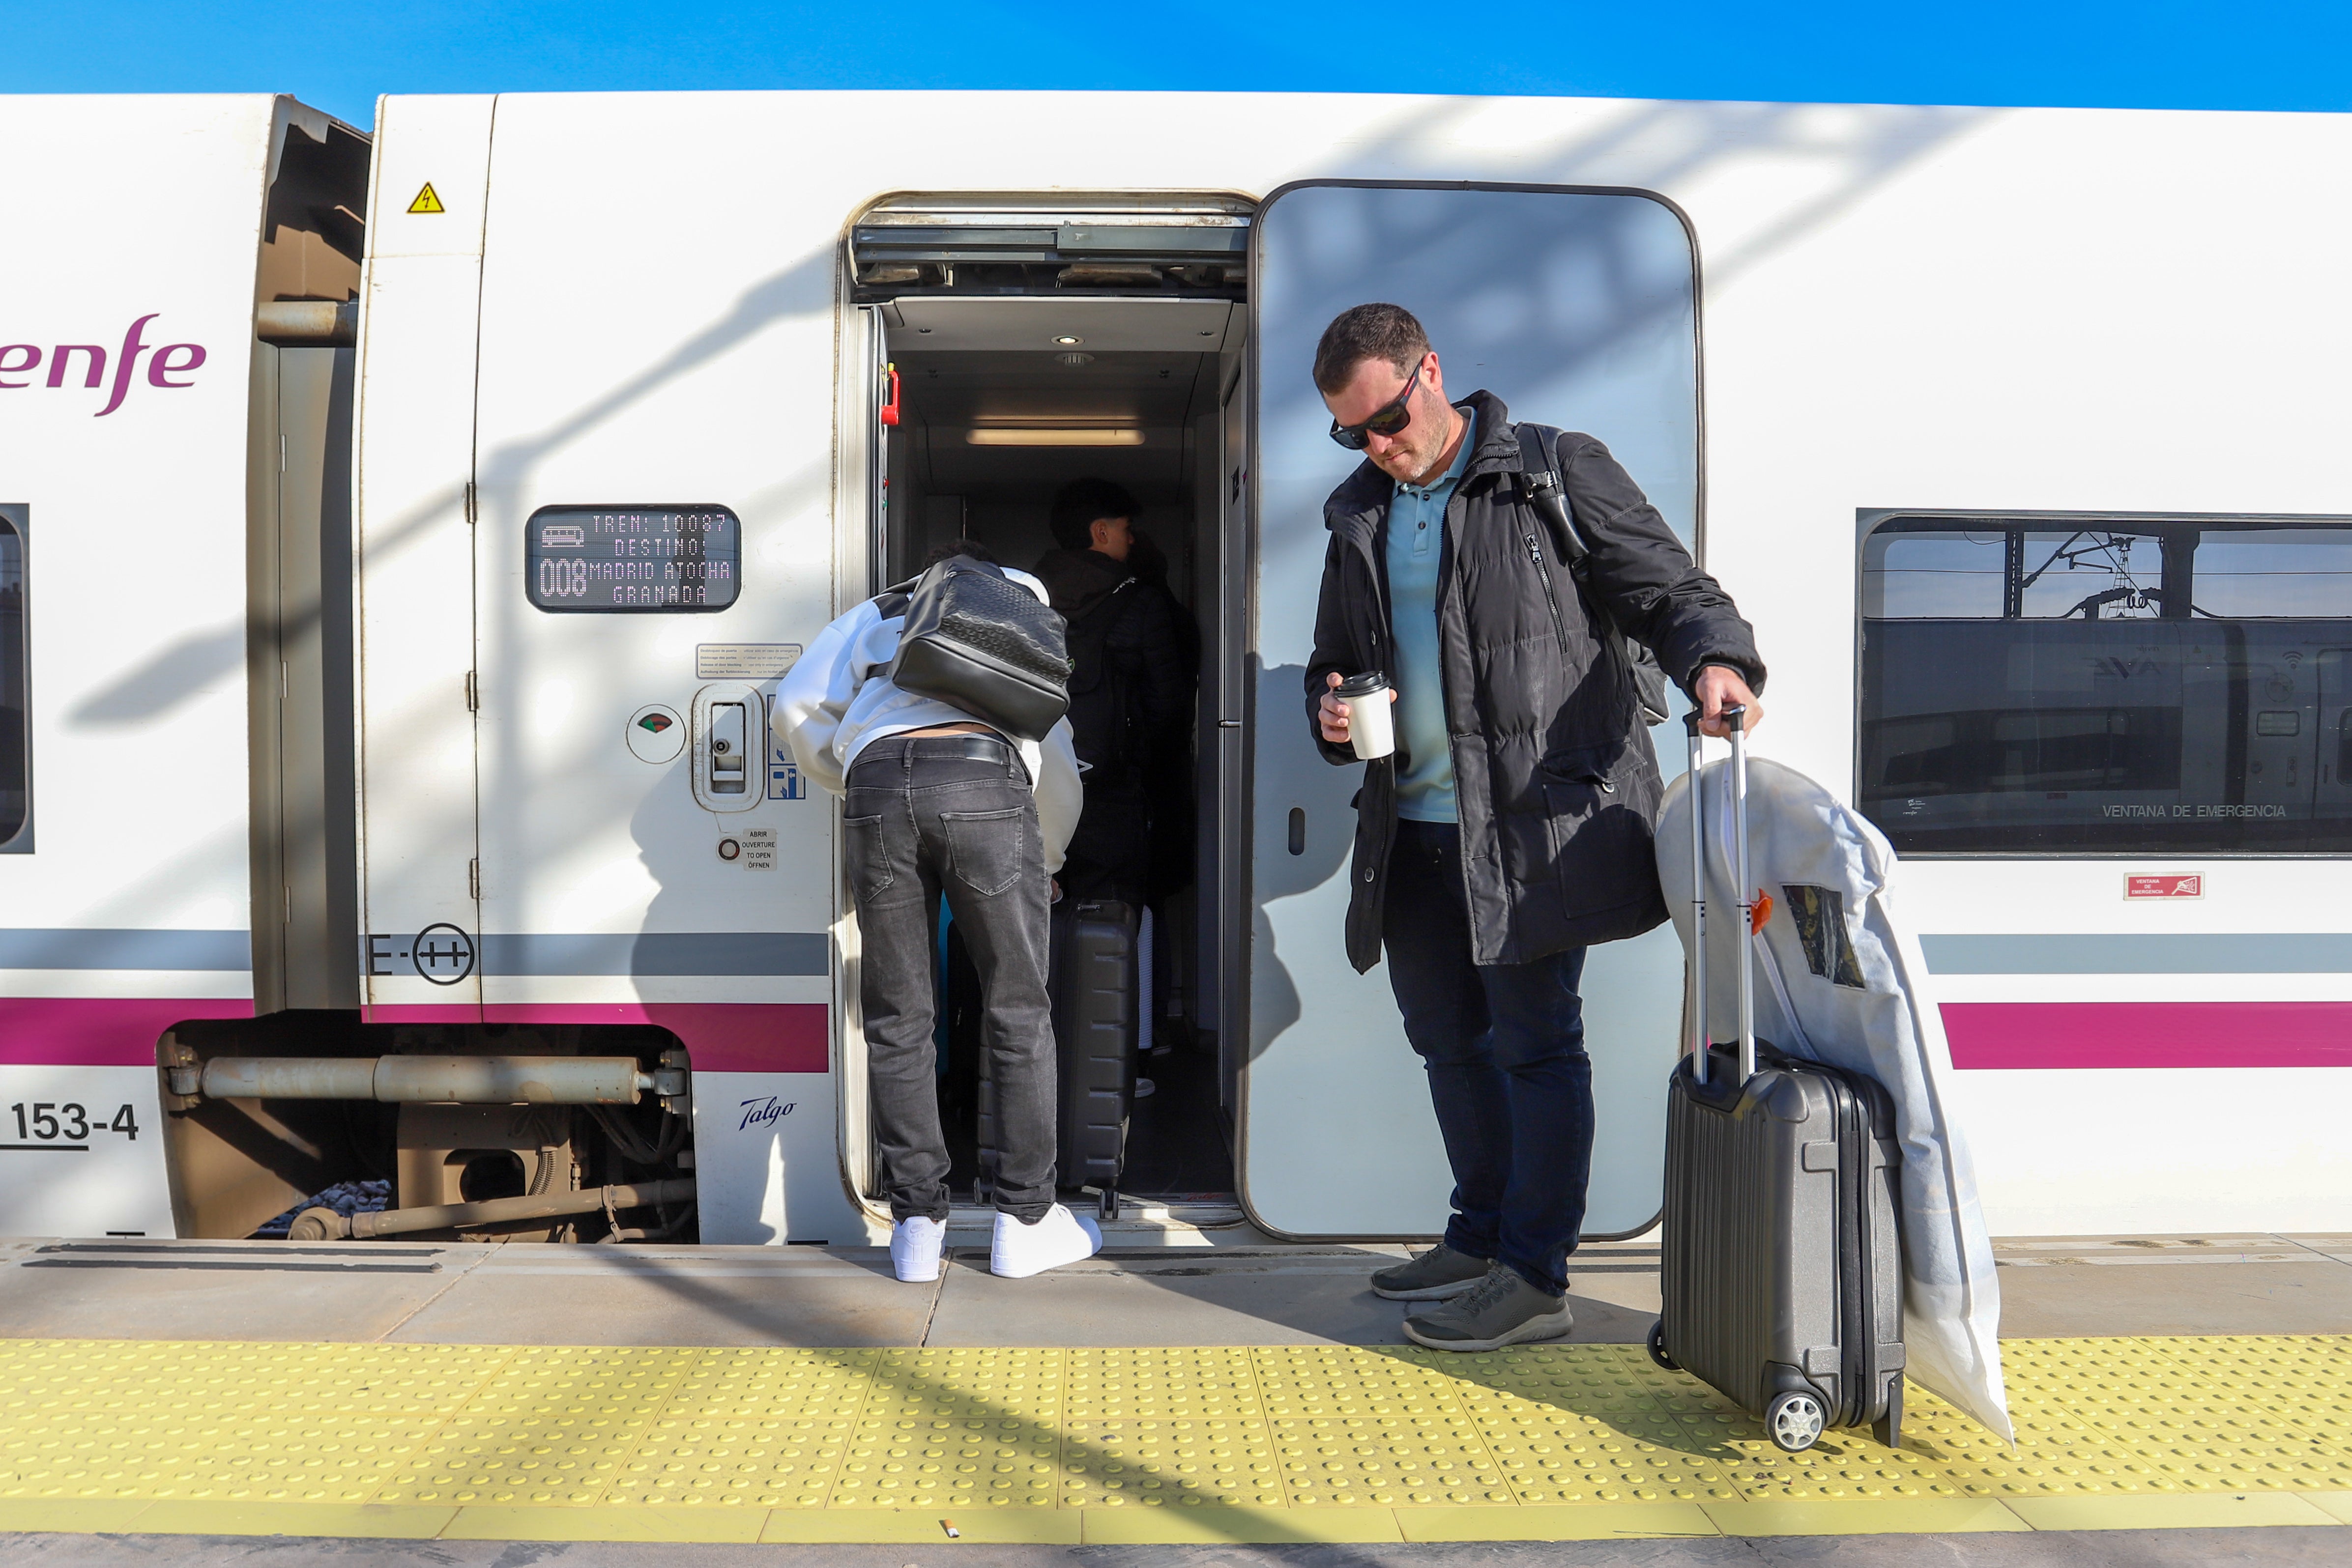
pixel 940 804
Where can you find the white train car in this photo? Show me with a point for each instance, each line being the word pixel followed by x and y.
pixel 378 701
pixel 2014 432
pixel 175 803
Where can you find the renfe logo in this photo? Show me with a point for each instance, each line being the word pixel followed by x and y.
pixel 89 361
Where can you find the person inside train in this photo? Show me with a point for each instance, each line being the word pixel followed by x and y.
pixel 936 803
pixel 1131 689
pixel 1508 827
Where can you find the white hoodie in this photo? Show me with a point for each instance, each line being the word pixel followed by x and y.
pixel 838 699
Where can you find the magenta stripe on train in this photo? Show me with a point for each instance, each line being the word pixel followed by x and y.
pixel 793 1036
pixel 720 1036
pixel 100 1031
pixel 121 1032
pixel 2149 1034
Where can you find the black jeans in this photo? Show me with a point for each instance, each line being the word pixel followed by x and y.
pixel 1503 1046
pixel 952 815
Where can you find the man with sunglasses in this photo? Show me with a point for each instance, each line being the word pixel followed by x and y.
pixel 1511 827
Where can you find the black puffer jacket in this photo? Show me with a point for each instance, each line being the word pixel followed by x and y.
pixel 1130 722
pixel 1554 778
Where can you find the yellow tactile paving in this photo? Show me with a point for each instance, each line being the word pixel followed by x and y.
pixel 1215 1462
pixel 1324 1442
pixel 1598 1427
pixel 694 1459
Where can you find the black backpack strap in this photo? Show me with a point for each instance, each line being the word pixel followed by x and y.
pixel 1541 482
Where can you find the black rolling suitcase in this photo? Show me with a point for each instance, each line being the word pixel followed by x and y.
pixel 1783 1276
pixel 1093 983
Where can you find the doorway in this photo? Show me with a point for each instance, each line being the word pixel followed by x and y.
pixel 1003 380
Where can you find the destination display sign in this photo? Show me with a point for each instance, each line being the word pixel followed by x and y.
pixel 678 559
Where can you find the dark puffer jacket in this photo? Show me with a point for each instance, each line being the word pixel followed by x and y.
pixel 1130 723
pixel 1555 780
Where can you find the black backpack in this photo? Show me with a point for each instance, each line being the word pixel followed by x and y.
pixel 976 640
pixel 1539 463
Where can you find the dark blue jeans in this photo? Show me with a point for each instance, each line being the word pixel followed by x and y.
pixel 1504 1046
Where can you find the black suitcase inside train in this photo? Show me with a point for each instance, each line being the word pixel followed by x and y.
pixel 1093 981
pixel 1782 1266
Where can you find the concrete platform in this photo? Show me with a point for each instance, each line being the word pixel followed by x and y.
pixel 1245 1289
pixel 2175 1285
pixel 1235 1293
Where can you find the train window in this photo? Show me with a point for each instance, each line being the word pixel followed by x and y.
pixel 2107 686
pixel 623 558
pixel 15 734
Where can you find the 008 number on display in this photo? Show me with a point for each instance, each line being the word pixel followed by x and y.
pixel 633 558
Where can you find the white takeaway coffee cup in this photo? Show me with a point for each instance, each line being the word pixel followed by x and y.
pixel 1370 729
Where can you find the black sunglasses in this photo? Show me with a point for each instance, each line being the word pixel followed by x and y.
pixel 1388 421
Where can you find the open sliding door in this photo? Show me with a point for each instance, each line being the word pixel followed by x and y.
pixel 1577 307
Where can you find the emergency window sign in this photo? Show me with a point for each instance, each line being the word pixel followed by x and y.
pixel 784 780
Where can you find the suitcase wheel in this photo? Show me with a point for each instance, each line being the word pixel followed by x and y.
pixel 1795 1421
pixel 1107 1202
pixel 1658 1346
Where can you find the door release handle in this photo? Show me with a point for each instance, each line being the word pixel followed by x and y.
pixel 729 757
pixel 729 723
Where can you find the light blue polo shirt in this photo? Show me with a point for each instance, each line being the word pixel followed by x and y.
pixel 1416 536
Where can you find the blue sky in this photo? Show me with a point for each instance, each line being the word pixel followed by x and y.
pixel 2256 53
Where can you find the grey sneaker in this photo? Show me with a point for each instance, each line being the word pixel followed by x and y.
pixel 1501 1309
pixel 1433 1276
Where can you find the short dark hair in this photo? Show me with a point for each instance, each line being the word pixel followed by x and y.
pixel 950 548
pixel 1367 333
pixel 1084 502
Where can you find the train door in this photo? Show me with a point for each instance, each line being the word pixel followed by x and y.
pixel 419 869
pixel 1577 308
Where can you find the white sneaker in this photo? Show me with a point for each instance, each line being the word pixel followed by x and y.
pixel 1018 1250
pixel 915 1243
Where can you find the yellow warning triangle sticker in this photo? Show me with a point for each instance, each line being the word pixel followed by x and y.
pixel 426 202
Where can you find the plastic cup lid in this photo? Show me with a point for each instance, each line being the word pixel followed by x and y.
pixel 1364 684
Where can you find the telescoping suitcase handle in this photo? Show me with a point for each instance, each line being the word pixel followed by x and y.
pixel 1735 717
